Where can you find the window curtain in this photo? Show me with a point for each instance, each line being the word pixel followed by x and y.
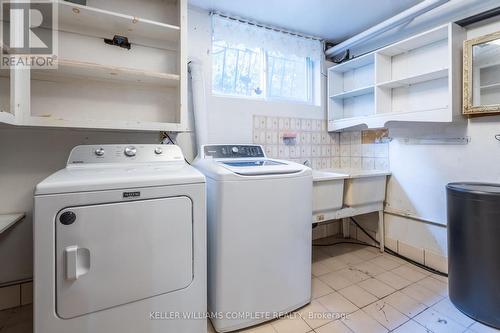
pixel 248 35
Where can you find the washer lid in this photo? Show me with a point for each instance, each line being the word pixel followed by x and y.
pixel 260 167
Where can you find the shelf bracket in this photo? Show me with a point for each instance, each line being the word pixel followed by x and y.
pixel 437 141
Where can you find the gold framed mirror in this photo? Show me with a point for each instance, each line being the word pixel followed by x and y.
pixel 481 79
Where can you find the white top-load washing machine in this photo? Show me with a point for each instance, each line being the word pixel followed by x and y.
pixel 259 235
pixel 120 243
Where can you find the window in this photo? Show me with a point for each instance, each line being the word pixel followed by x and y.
pixel 289 77
pixel 236 70
pixel 257 62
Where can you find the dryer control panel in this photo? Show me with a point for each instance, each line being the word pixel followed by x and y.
pixel 130 153
pixel 233 151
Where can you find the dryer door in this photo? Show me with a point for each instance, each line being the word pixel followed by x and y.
pixel 116 253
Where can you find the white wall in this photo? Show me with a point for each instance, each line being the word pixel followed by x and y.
pixel 230 119
pixel 421 172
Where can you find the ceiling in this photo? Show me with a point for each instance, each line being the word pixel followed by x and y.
pixel 334 20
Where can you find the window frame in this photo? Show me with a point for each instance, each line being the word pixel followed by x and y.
pixel 309 74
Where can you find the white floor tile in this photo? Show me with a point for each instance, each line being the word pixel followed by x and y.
pixel 17 320
pixel 293 324
pixel 357 295
pixel 365 254
pixel 315 314
pixel 405 304
pixel 385 262
pixel 319 268
pixel 334 264
pixel 385 314
pixel 336 281
pixel 447 308
pixel 319 288
pixel 333 327
pixel 264 328
pixel 360 322
pixel 411 327
pixel 422 294
pixel 376 287
pixel 353 275
pixel 393 280
pixel 435 285
pixel 349 259
pixel 409 273
pixel 438 323
pixel 337 304
pixel 318 254
pixel 370 269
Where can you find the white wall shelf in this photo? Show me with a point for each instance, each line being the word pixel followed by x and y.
pixel 490 86
pixel 101 86
pixel 419 78
pixel 414 80
pixel 354 93
pixel 8 220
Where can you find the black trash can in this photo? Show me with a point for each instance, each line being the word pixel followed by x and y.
pixel 474 250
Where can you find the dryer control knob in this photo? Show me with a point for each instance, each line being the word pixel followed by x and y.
pixel 130 151
pixel 235 150
pixel 158 151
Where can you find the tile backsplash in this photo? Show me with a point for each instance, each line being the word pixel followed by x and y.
pixel 301 140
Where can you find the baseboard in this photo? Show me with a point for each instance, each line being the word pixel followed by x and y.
pixel 423 256
pixel 16 295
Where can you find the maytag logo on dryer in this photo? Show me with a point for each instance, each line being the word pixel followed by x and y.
pixel 134 194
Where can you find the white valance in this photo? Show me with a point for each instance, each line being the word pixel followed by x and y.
pixel 237 32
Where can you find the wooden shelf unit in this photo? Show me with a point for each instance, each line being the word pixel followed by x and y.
pixel 70 69
pixel 414 80
pixel 102 86
pixel 100 23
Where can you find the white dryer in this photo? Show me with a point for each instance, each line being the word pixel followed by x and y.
pixel 120 243
pixel 259 235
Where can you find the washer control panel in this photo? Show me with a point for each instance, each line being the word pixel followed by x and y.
pixel 233 151
pixel 142 153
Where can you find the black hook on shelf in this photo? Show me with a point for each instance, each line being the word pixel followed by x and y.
pixel 497 136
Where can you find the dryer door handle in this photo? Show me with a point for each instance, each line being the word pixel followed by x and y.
pixel 77 261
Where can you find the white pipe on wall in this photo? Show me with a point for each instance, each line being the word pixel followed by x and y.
pixel 384 26
pixel 199 103
pixel 452 11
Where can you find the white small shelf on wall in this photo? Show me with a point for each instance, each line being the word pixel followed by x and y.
pixel 414 80
pixel 102 86
pixel 8 220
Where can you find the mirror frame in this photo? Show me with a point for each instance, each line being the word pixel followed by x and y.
pixel 468 107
